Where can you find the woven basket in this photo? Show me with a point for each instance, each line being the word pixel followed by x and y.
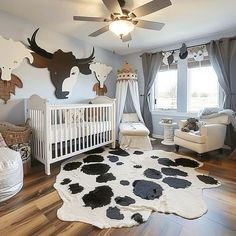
pixel 15 137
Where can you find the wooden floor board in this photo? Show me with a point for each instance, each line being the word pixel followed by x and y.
pixel 33 211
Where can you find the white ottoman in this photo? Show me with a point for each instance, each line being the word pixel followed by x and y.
pixel 11 173
pixel 134 136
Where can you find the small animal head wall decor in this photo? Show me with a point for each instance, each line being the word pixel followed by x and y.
pixel 12 54
pixel 63 67
pixel 101 72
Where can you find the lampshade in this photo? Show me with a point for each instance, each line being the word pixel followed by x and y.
pixel 121 27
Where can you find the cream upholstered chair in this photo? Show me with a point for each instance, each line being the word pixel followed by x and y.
pixel 209 137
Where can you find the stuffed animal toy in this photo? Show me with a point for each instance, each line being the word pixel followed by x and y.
pixel 191 124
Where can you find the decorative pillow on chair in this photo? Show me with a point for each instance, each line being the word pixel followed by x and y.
pixel 129 118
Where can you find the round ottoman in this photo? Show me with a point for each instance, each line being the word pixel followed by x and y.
pixel 11 173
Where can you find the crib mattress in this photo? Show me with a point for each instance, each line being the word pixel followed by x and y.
pixel 133 129
pixel 62 132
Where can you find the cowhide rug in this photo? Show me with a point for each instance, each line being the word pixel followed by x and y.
pixel 117 188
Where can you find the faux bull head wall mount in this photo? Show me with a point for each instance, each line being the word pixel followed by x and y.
pixel 12 54
pixel 63 67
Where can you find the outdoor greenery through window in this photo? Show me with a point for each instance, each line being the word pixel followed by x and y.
pixel 166 90
pixel 203 89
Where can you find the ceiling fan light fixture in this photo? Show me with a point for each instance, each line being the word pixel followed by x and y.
pixel 121 27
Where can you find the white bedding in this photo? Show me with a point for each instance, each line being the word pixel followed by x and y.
pixel 62 132
pixel 134 129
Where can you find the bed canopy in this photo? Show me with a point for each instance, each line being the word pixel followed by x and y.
pixel 127 85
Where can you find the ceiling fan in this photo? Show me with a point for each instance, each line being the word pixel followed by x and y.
pixel 122 21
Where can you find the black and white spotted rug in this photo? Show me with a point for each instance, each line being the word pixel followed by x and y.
pixel 117 188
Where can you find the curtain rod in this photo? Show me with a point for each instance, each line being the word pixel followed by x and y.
pixel 198 45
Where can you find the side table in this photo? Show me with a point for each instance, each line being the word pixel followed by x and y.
pixel 168 133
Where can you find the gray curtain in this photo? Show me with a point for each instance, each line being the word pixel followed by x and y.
pixel 151 64
pixel 222 54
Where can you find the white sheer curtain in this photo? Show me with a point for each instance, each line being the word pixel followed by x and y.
pixel 133 87
pixel 121 92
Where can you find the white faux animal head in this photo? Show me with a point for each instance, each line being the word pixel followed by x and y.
pixel 101 72
pixel 198 56
pixel 12 54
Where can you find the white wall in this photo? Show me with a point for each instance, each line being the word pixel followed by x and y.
pixel 136 62
pixel 37 81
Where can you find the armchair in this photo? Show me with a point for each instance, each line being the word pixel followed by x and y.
pixel 209 137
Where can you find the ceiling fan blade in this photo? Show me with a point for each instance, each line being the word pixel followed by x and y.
pixel 87 18
pixel 151 7
pixel 113 6
pixel 126 38
pixel 150 25
pixel 100 31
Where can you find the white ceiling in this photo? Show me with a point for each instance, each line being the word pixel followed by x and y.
pixel 185 20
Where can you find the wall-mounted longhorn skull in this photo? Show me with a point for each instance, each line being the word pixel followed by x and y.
pixel 60 65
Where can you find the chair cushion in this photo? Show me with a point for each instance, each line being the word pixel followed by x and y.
pixel 134 129
pixel 189 136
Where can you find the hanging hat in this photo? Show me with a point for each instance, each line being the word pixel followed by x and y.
pixel 183 51
pixel 170 58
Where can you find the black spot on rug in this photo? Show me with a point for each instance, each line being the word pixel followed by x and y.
pixel 207 179
pixel 119 152
pixel 146 189
pixel 66 181
pixel 114 213
pixel 99 197
pixel 176 182
pixel 137 166
pixel 93 158
pixel 113 158
pixel 137 217
pixel 76 188
pixel 72 166
pixel 105 178
pixel 124 201
pixel 96 150
pixel 119 163
pixel 152 173
pixel 95 169
pixel 186 162
pixel 173 172
pixel 138 152
pixel 124 182
pixel 166 162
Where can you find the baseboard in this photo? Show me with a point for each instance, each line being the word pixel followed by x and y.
pixel 158 136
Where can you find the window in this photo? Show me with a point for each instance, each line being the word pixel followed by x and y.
pixel 203 89
pixel 165 90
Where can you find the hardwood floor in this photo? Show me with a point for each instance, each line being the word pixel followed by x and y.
pixel 33 210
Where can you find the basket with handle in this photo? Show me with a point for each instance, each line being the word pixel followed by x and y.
pixel 15 134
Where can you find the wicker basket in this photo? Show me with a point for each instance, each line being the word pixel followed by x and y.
pixel 15 137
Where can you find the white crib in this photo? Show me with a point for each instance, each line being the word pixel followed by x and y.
pixel 62 131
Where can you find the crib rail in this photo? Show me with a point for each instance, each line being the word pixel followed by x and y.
pixel 76 129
